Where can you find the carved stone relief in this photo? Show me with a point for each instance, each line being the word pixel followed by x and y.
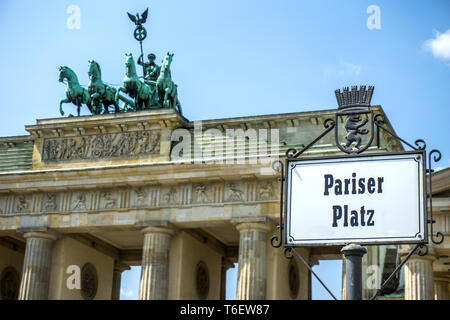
pixel 49 202
pixel 235 192
pixel 79 201
pixel 266 190
pixel 142 196
pixel 170 196
pixel 108 200
pixel 22 204
pixel 201 193
pixel 101 146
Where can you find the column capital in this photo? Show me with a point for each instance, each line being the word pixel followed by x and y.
pixel 265 227
pixel 162 229
pixel 253 223
pixel 121 267
pixel 44 235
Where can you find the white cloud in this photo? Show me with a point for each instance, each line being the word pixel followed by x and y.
pixel 127 293
pixel 348 68
pixel 439 45
pixel 344 69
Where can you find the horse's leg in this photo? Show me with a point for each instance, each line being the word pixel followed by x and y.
pixel 160 93
pixel 176 102
pixel 89 106
pixel 121 89
pixel 78 107
pixel 60 105
pixel 116 107
pixel 127 102
pixel 166 95
pixel 105 107
pixel 179 106
pixel 96 103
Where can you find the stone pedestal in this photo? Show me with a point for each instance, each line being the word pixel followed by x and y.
pixel 154 283
pixel 117 277
pixel 36 267
pixel 419 284
pixel 441 289
pixel 252 261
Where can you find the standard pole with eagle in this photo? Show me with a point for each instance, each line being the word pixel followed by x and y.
pixel 139 32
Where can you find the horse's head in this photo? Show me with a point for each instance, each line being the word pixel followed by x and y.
pixel 94 70
pixel 130 65
pixel 165 65
pixel 167 60
pixel 64 73
pixel 67 73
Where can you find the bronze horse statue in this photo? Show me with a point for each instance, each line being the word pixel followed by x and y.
pixel 166 88
pixel 101 94
pixel 75 93
pixel 141 93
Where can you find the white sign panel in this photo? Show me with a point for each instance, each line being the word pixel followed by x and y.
pixel 364 199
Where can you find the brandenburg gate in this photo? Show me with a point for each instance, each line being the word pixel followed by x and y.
pixel 83 198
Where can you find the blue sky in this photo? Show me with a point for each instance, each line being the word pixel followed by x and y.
pixel 238 58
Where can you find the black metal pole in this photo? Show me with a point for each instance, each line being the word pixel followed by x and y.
pixel 353 270
pixel 143 62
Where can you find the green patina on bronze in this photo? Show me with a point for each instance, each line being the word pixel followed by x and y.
pixel 156 91
pixel 75 93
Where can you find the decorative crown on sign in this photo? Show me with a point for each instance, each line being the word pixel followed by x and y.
pixel 354 98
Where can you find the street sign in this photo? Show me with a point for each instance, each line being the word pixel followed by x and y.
pixel 366 199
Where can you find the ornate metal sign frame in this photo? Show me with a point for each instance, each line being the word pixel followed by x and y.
pixel 422 231
pixel 352 104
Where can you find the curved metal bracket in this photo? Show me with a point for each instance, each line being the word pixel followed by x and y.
pixel 277 240
pixel 329 125
pixel 431 221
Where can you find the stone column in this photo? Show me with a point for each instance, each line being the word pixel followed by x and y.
pixel 154 283
pixel 117 277
pixel 36 267
pixel 441 289
pixel 344 281
pixel 419 284
pixel 252 261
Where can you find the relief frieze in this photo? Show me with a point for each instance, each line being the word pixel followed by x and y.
pixel 186 194
pixel 100 146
